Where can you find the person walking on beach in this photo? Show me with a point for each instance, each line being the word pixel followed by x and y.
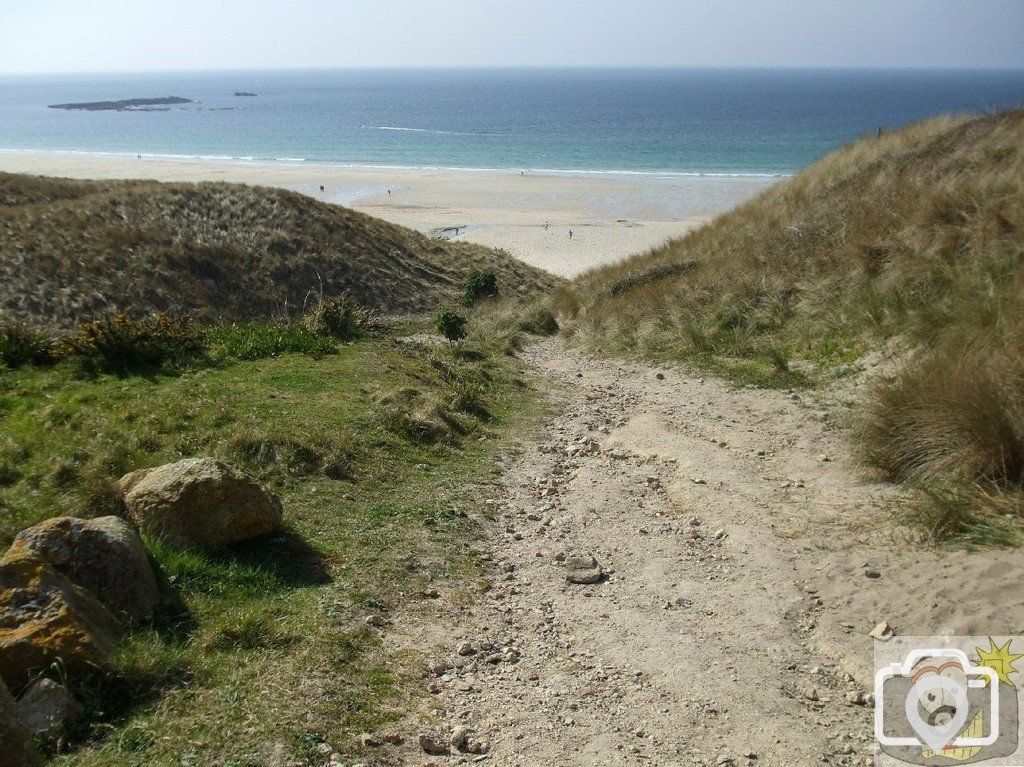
pixel 570 234
pixel 321 187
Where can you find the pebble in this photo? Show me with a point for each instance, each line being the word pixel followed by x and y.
pixel 883 632
pixel 433 745
pixel 459 737
pixel 582 569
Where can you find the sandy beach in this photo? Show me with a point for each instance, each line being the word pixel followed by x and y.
pixel 529 214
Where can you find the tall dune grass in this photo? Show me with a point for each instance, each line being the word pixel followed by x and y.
pixel 916 235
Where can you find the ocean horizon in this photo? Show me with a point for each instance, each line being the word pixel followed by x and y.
pixel 618 121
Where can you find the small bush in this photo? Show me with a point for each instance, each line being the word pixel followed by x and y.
pixel 341 317
pixel 539 321
pixel 479 285
pixel 21 344
pixel 119 343
pixel 451 325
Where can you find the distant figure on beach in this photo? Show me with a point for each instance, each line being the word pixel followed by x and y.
pixel 321 187
pixel 140 156
pixel 389 192
pixel 545 226
pixel 570 234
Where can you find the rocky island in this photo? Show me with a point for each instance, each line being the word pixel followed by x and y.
pixel 126 105
pixel 244 93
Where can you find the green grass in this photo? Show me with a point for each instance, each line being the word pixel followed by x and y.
pixel 262 649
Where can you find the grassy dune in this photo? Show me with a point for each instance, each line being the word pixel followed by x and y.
pixel 262 652
pixel 74 250
pixel 915 238
pixel 380 448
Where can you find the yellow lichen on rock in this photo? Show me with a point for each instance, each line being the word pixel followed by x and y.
pixel 46 618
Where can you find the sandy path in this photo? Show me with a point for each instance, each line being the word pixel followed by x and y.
pixel 736 532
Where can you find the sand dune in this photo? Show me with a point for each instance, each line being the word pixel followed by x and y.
pixel 612 216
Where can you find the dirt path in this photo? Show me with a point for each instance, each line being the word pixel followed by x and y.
pixel 745 563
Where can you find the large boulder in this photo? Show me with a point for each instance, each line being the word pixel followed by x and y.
pixel 17 746
pixel 199 502
pixel 44 617
pixel 104 555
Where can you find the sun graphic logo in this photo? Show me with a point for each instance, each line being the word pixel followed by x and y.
pixel 948 701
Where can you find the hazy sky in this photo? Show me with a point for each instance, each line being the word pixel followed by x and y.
pixel 144 35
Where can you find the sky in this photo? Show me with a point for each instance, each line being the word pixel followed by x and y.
pixel 87 36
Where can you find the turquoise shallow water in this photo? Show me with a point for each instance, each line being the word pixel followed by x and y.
pixel 689 121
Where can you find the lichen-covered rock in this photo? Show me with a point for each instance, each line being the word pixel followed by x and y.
pixel 199 502
pixel 44 617
pixel 47 708
pixel 17 746
pixel 104 555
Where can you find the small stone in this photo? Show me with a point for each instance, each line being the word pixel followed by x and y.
pixel 823 457
pixel 855 698
pixel 883 632
pixel 719 534
pixel 369 741
pixel 431 593
pixel 433 745
pixel 811 694
pixel 872 574
pixel 459 737
pixel 375 621
pixel 582 569
pixel 465 649
pixel 660 376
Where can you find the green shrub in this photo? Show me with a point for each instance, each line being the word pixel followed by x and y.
pixel 21 344
pixel 260 340
pixel 119 343
pixel 451 325
pixel 479 285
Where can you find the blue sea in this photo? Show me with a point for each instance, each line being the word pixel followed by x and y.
pixel 660 121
